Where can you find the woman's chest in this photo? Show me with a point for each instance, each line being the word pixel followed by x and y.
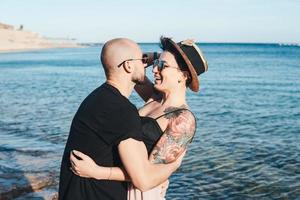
pixel 155 111
pixel 152 110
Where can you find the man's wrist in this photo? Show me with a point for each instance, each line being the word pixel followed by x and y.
pixel 110 171
pixel 101 174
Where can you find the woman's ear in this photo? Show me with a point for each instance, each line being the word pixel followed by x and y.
pixel 128 66
pixel 186 75
pixel 183 77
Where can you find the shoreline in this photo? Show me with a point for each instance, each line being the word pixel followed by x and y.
pixel 22 41
pixel 25 50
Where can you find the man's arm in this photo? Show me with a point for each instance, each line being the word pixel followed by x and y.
pixel 144 175
pixel 84 166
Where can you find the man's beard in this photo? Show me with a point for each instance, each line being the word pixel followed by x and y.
pixel 139 81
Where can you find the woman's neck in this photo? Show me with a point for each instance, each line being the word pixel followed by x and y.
pixel 174 98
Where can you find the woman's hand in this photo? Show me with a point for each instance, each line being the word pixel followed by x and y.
pixel 83 166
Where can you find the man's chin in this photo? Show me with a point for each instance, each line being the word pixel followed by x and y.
pixel 140 82
pixel 157 87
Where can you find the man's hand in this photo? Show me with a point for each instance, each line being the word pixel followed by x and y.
pixel 84 166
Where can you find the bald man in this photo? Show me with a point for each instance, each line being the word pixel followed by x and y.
pixel 107 127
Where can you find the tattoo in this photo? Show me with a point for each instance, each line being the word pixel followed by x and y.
pixel 172 112
pixel 175 139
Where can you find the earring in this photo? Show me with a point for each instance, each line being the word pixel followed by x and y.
pixel 179 81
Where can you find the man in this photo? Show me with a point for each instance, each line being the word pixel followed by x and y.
pixel 107 127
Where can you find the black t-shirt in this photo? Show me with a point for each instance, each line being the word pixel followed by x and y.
pixel 103 120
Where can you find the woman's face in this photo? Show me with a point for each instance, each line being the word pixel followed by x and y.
pixel 170 77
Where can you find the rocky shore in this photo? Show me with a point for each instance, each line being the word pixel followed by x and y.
pixel 28 186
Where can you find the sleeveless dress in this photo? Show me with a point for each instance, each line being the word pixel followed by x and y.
pixel 151 134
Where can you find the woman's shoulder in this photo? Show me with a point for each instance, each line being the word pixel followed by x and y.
pixel 181 123
pixel 183 112
pixel 178 135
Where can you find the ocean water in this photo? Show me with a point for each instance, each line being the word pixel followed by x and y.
pixel 247 144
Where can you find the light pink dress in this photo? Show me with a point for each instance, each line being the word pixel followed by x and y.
pixel 157 193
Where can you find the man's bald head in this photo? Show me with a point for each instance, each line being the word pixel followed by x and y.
pixel 116 51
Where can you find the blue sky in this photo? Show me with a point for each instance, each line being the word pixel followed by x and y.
pixel 144 21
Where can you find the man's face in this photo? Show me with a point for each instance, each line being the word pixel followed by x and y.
pixel 138 75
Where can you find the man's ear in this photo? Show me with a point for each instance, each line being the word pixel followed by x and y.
pixel 128 66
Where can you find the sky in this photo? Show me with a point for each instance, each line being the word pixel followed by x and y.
pixel 254 21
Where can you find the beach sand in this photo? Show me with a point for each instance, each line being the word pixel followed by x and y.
pixel 20 40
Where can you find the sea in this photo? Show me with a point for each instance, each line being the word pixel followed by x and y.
pixel 247 143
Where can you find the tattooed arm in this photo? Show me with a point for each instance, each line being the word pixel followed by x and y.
pixel 178 134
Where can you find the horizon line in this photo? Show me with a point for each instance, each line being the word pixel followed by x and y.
pixel 279 43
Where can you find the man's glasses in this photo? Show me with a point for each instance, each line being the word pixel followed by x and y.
pixel 161 64
pixel 144 60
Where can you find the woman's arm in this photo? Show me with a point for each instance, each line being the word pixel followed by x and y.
pixel 144 174
pixel 145 90
pixel 178 134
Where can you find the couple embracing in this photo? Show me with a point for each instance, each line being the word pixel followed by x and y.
pixel 115 151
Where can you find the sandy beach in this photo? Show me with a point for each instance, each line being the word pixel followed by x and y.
pixel 23 40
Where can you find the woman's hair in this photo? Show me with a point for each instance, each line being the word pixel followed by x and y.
pixel 165 46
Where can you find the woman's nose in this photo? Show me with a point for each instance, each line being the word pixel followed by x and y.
pixel 155 69
pixel 145 65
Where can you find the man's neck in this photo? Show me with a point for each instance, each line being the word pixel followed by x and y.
pixel 124 88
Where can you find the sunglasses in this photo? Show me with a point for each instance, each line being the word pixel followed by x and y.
pixel 161 64
pixel 144 60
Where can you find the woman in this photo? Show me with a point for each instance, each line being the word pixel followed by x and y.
pixel 168 125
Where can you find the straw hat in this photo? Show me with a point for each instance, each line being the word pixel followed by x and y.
pixel 190 58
